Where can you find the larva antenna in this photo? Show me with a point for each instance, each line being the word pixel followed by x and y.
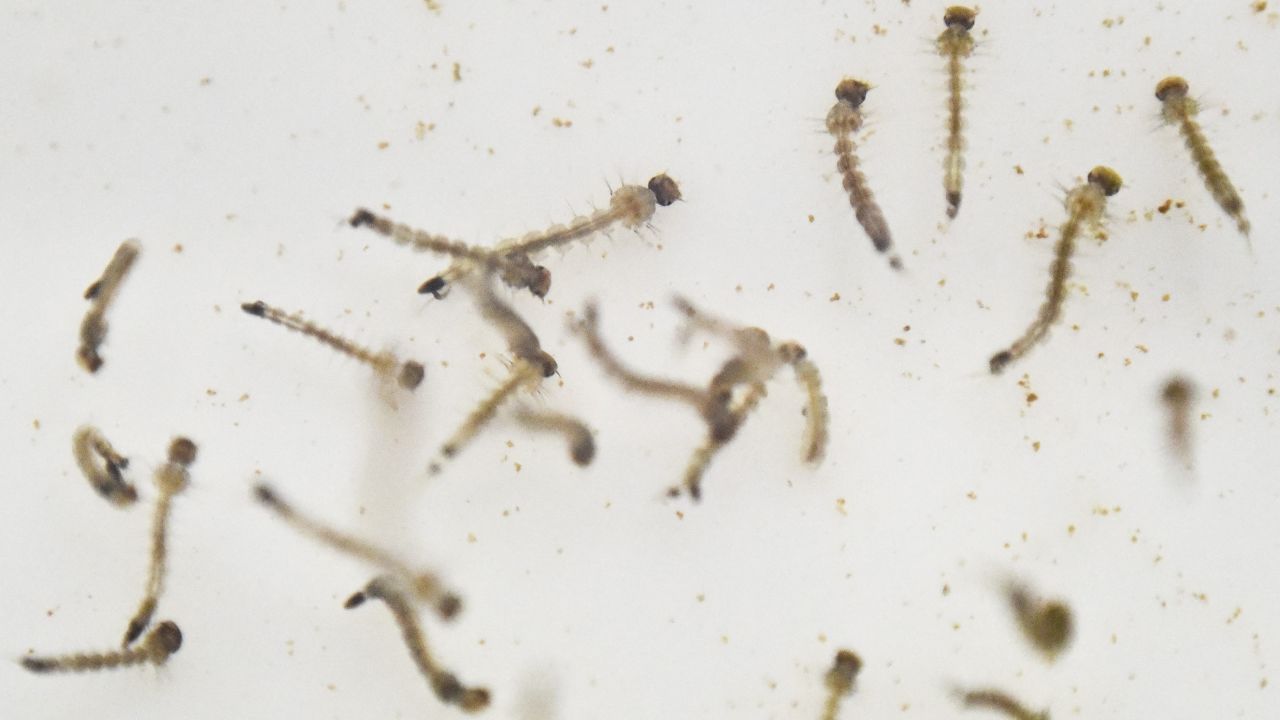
pixel 582 445
pixel 521 375
pixel 446 686
pixel 1179 395
pixel 1085 206
pixel 713 409
pixel 1180 110
pixel 101 465
pixel 1047 624
pixel 160 644
pixel 522 342
pixel 630 206
pixel 955 44
pixel 705 453
pixel 407 374
pixel 101 293
pixel 844 119
pixel 840 681
pixel 171 478
pixel 999 701
pixel 424 586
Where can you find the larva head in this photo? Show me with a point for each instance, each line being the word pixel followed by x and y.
pixel 1051 628
pixel 540 284
pixel 544 362
pixel 583 449
pixel 665 190
pixel 411 374
pixel 1106 179
pixel 792 352
pixel 852 91
pixel 433 287
pixel 361 218
pixel 474 700
pixel 1177 391
pixel 959 16
pixel 182 451
pixel 845 670
pixel 39 664
pixel 89 359
pixel 257 308
pixel 163 641
pixel 448 606
pixel 1000 361
pixel 1171 87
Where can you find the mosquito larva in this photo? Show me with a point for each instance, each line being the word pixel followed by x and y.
pixel 630 206
pixel 843 121
pixel 521 340
pixel 102 465
pixel 817 416
pixel 1047 624
pixel 390 590
pixel 582 446
pixel 522 374
pixel 1180 110
pixel 701 458
pixel 1179 394
pixel 714 409
pixel 163 641
pixel 408 374
pixel 839 681
pixel 1000 702
pixel 93 329
pixel 425 586
pixel 517 272
pixel 1085 205
pixel 170 478
pixel 955 44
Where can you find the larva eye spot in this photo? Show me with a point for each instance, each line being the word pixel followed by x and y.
pixel 1106 179
pixel 852 91
pixel 362 218
pixel 665 190
pixel 433 287
pixel 542 282
pixel 1172 86
pixel 959 16
pixel 258 308
pixel 411 374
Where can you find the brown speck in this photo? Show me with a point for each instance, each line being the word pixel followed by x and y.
pixel 811 219
pixel 1035 446
pixel 561 123
pixel 1164 207
pixel 471 537
pixel 206 81
pixel 384 145
pixel 588 63
pixel 36 423
pixel 840 506
pixel 457 72
pixel 1018 169
pixel 835 297
pixel 1032 397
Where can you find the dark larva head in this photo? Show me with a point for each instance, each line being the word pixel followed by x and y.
pixel 182 451
pixel 1106 179
pixel 411 374
pixel 664 189
pixel 959 16
pixel 1171 87
pixel 852 91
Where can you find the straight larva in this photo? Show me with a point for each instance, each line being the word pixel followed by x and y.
pixel 1180 110
pixel 955 44
pixel 840 681
pixel 844 119
pixel 1000 702
pixel 161 643
pixel 1085 207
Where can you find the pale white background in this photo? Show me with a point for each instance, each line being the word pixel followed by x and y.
pixel 246 132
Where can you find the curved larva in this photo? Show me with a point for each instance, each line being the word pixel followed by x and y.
pixel 93 329
pixel 101 465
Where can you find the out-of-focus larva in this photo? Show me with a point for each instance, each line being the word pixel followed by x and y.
pixel 170 478
pixel 1180 110
pixel 817 417
pixel 582 446
pixel 703 455
pixel 844 119
pixel 1000 702
pixel 521 340
pixel 1179 394
pixel 630 206
pixel 424 586
pixel 1047 624
pixel 955 44
pixel 1085 206
pixel 93 329
pixel 102 466
pixel 839 680
pixel 162 642
pixel 407 374
pixel 390 590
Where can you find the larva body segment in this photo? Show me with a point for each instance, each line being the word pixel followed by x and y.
pixel 446 686
pixel 408 374
pixel 1180 110
pixel 840 681
pixel 582 445
pixel 101 293
pixel 1085 207
pixel 424 586
pixel 161 643
pixel 521 375
pixel 844 119
pixel 955 44
pixel 102 465
pixel 170 478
